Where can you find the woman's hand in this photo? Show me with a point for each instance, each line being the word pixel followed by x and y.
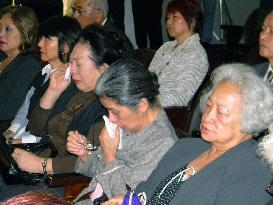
pixel 108 145
pixel 114 201
pixel 8 134
pixel 57 81
pixel 16 141
pixel 27 161
pixel 56 87
pixel 75 145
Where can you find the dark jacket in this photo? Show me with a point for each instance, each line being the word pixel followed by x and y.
pixel 128 49
pixel 261 69
pixel 82 119
pixel 15 81
pixel 237 177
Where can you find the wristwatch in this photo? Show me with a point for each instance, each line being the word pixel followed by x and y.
pixel 44 163
pixel 10 140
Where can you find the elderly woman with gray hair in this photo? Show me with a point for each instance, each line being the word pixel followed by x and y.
pixel 142 136
pixel 222 167
pixel 265 149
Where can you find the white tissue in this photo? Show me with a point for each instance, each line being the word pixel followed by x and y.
pixel 111 127
pixel 67 74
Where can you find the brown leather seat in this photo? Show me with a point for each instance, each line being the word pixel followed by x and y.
pixel 144 55
pixel 73 183
pixel 185 119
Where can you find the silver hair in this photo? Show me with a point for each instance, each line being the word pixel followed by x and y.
pixel 257 112
pixel 126 82
pixel 101 5
pixel 265 147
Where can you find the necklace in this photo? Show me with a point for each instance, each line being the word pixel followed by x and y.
pixel 186 176
pixel 178 178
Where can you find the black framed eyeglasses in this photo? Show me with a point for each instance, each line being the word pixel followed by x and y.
pixel 78 10
pixel 81 11
pixel 269 188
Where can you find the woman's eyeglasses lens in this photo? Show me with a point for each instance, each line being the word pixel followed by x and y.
pixel 89 146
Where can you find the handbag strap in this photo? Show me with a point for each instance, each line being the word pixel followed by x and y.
pixel 5 153
pixel 37 148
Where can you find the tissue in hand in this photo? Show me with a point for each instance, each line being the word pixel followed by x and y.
pixel 111 127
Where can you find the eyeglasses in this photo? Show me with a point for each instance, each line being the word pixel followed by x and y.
pixel 80 11
pixel 269 188
pixel 93 144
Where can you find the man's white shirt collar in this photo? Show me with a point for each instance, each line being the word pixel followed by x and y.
pixel 104 21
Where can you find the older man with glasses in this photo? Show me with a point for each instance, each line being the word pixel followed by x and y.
pixel 89 12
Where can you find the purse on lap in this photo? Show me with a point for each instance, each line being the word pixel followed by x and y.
pixel 9 169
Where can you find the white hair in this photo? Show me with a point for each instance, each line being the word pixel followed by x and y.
pixel 100 4
pixel 265 147
pixel 257 112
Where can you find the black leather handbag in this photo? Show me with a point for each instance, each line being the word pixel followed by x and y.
pixel 9 169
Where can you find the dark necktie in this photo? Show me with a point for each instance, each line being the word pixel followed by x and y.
pixel 269 77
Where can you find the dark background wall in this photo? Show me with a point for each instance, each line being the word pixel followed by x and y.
pixel 42 8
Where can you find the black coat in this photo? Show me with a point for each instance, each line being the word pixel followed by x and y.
pixel 15 81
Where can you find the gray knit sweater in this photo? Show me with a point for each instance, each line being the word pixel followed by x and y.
pixel 134 162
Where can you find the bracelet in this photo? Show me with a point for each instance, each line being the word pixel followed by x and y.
pixel 10 140
pixel 44 163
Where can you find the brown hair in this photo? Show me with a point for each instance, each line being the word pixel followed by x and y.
pixel 190 10
pixel 35 198
pixel 26 22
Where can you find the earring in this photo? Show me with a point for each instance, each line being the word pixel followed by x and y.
pixel 64 56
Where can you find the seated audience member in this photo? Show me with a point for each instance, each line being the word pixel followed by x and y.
pixel 181 65
pixel 90 57
pixel 18 66
pixel 129 92
pixel 95 50
pixel 89 12
pixel 222 167
pixel 265 70
pixel 37 198
pixel 265 149
pixel 58 35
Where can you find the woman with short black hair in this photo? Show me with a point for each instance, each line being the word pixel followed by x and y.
pixel 58 36
pixel 57 116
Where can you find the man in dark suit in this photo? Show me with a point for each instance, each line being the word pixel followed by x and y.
pixel 116 10
pixel 265 70
pixel 147 20
pixel 88 12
